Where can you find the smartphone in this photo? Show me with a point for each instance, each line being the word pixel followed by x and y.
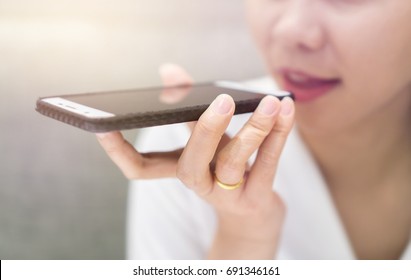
pixel 138 108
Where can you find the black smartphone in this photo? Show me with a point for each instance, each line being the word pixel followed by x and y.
pixel 138 108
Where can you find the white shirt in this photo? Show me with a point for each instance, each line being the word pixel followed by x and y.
pixel 168 221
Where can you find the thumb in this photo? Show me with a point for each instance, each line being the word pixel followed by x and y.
pixel 174 75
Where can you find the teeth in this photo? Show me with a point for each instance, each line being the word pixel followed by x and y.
pixel 298 78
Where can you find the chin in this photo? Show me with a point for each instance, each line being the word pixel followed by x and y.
pixel 320 118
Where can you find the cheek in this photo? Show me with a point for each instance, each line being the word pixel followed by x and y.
pixel 260 17
pixel 373 58
pixel 376 65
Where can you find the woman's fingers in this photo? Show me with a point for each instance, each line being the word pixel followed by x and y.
pixel 194 165
pixel 135 165
pixel 152 165
pixel 232 160
pixel 262 173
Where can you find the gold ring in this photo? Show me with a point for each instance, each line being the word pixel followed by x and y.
pixel 228 187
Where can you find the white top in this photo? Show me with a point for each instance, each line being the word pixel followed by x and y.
pixel 168 221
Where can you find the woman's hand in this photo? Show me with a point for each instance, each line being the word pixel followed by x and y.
pixel 250 213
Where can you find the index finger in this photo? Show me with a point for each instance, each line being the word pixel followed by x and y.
pixel 135 165
pixel 194 165
pixel 263 171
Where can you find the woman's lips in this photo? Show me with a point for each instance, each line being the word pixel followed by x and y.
pixel 305 87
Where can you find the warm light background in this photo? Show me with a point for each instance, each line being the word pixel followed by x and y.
pixel 60 197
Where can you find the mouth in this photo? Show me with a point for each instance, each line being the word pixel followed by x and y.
pixel 305 87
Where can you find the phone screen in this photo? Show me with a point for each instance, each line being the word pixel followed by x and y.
pixel 156 105
pixel 159 99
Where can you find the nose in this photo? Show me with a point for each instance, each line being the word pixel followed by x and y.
pixel 299 27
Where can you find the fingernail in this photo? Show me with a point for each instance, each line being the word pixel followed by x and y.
pixel 286 106
pixel 222 104
pixel 267 106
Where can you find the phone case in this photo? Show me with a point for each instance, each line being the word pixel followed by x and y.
pixel 138 120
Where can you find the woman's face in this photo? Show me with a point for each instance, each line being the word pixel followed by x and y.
pixel 345 60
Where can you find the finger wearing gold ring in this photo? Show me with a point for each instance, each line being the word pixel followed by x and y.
pixel 228 187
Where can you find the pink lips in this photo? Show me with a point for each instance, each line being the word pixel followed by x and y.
pixel 307 88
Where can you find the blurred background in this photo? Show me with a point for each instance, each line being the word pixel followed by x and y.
pixel 60 196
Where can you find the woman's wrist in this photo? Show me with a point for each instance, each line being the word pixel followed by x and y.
pixel 242 238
